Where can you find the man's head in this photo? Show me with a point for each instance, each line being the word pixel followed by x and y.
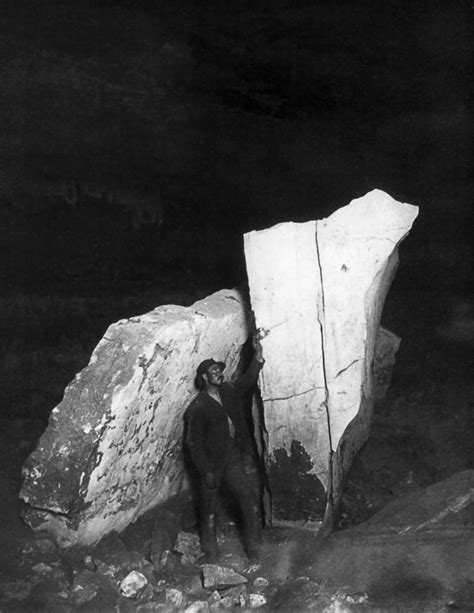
pixel 209 372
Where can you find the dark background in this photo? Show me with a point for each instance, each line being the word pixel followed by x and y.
pixel 222 117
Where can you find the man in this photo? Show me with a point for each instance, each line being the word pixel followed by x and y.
pixel 222 451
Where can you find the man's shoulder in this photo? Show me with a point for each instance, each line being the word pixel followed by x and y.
pixel 197 402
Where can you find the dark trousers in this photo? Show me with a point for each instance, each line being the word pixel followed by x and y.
pixel 245 490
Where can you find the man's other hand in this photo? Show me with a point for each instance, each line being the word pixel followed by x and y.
pixel 210 480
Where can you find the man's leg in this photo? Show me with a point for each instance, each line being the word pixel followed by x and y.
pixel 245 492
pixel 208 522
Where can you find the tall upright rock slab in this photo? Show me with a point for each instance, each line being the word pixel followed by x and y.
pixel 112 449
pixel 317 290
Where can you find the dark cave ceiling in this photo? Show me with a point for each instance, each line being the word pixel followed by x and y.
pixel 260 111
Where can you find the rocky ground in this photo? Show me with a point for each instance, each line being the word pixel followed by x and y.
pixel 398 545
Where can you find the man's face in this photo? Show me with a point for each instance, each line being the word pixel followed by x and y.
pixel 214 375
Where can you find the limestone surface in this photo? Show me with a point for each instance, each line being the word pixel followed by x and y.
pixel 317 290
pixel 113 446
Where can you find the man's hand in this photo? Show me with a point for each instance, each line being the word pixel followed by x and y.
pixel 210 480
pixel 257 345
pixel 250 465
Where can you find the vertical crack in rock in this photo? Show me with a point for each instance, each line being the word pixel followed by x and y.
pixel 341 267
pixel 321 327
pixel 320 316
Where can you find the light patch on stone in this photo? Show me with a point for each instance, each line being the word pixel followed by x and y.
pixel 133 583
pixel 220 577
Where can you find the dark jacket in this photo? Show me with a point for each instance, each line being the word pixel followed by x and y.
pixel 207 435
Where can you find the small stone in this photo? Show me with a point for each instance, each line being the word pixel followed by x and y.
pixel 226 603
pixel 160 586
pixel 237 594
pixel 220 577
pixel 214 597
pixel 27 549
pixel 192 584
pixel 257 600
pixel 261 582
pixel 188 544
pixel 133 583
pixel 89 563
pixel 42 568
pixel 174 597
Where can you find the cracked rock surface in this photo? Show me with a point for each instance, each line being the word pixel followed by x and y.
pixel 112 449
pixel 317 289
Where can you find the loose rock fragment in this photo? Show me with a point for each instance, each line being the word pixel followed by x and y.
pixel 89 563
pixel 214 597
pixel 133 583
pixel 220 577
pixel 42 569
pixel 188 544
pixel 174 597
pixel 225 603
pixel 257 600
pixel 238 595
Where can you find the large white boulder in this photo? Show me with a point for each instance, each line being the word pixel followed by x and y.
pixel 112 449
pixel 318 289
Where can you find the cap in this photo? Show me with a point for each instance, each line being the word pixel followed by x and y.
pixel 206 365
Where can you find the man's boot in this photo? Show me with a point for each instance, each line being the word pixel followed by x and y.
pixel 209 540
